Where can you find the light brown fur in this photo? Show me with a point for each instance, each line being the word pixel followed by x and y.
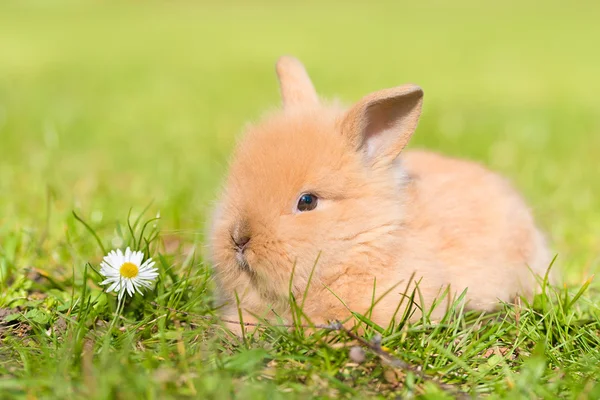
pixel 381 216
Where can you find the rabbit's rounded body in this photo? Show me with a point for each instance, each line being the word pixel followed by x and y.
pixel 380 220
pixel 477 226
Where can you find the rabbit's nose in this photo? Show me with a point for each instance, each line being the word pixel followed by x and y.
pixel 240 235
pixel 241 242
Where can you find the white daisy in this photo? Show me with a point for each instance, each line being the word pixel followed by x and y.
pixel 125 272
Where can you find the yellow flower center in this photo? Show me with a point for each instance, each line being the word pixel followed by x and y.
pixel 129 270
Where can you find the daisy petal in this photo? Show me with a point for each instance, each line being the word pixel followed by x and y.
pixel 107 281
pixel 138 257
pixel 130 290
pixel 114 287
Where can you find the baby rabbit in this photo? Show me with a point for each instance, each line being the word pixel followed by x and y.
pixel 323 203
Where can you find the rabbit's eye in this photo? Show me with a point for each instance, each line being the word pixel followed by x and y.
pixel 307 202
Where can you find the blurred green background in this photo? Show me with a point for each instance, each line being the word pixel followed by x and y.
pixel 107 106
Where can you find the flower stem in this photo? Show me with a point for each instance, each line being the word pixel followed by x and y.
pixel 118 311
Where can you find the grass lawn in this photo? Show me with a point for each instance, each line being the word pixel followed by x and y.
pixel 122 111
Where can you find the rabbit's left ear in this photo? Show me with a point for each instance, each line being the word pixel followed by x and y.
pixel 381 124
pixel 296 86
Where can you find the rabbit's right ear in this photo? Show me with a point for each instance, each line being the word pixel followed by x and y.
pixel 381 124
pixel 296 86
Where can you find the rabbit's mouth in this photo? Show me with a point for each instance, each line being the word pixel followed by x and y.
pixel 242 261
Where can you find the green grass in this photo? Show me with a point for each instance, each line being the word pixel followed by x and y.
pixel 107 108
